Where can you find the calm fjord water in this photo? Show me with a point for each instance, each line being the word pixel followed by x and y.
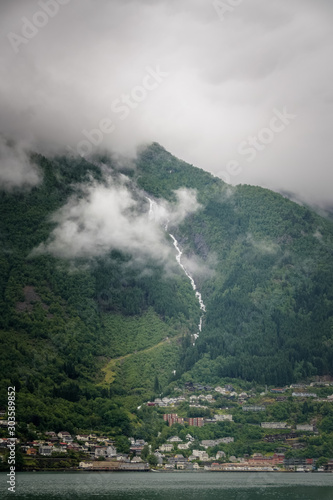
pixel 169 486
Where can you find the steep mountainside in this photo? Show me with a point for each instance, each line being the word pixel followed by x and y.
pixel 88 337
pixel 270 300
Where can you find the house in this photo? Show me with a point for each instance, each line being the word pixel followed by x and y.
pixel 274 425
pixel 136 460
pixel 298 446
pixel 200 455
pixel 215 466
pixel 219 455
pixel 305 427
pixel 4 443
pixel 210 421
pixel 122 457
pixel 102 439
pixel 56 449
pixel 31 451
pixel 100 451
pixel 86 465
pixel 259 459
pixel 82 437
pixel 254 408
pixel 298 464
pixel 174 439
pixel 243 395
pixel 137 445
pixel 223 418
pixel 178 461
pixel 208 443
pixel 221 390
pixel 304 395
pixel 166 447
pixel 189 437
pixel 111 451
pixel 329 466
pixel 50 434
pixel 37 442
pixel 136 448
pixel 184 446
pixel 65 437
pixel 169 466
pixel 45 450
pixel 180 399
pixel 226 440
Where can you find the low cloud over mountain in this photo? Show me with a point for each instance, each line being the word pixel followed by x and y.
pixel 106 217
pixel 203 80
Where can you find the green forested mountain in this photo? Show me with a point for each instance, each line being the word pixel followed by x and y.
pixel 86 340
pixel 270 301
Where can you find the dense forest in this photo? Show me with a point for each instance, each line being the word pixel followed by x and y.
pixel 270 300
pixel 85 340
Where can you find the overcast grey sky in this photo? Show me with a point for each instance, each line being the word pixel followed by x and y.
pixel 249 84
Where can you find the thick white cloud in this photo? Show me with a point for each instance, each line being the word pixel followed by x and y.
pixel 107 217
pixel 16 168
pixel 224 80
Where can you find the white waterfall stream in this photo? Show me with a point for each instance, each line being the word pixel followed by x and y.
pixel 178 259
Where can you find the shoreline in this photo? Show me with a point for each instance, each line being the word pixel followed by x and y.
pixel 175 471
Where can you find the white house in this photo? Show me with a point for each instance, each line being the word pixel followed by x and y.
pixel 174 439
pixel 304 427
pixel 222 418
pixel 166 447
pixel 274 425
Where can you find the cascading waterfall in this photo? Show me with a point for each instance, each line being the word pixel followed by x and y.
pixel 178 259
pixel 194 286
pixel 151 208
